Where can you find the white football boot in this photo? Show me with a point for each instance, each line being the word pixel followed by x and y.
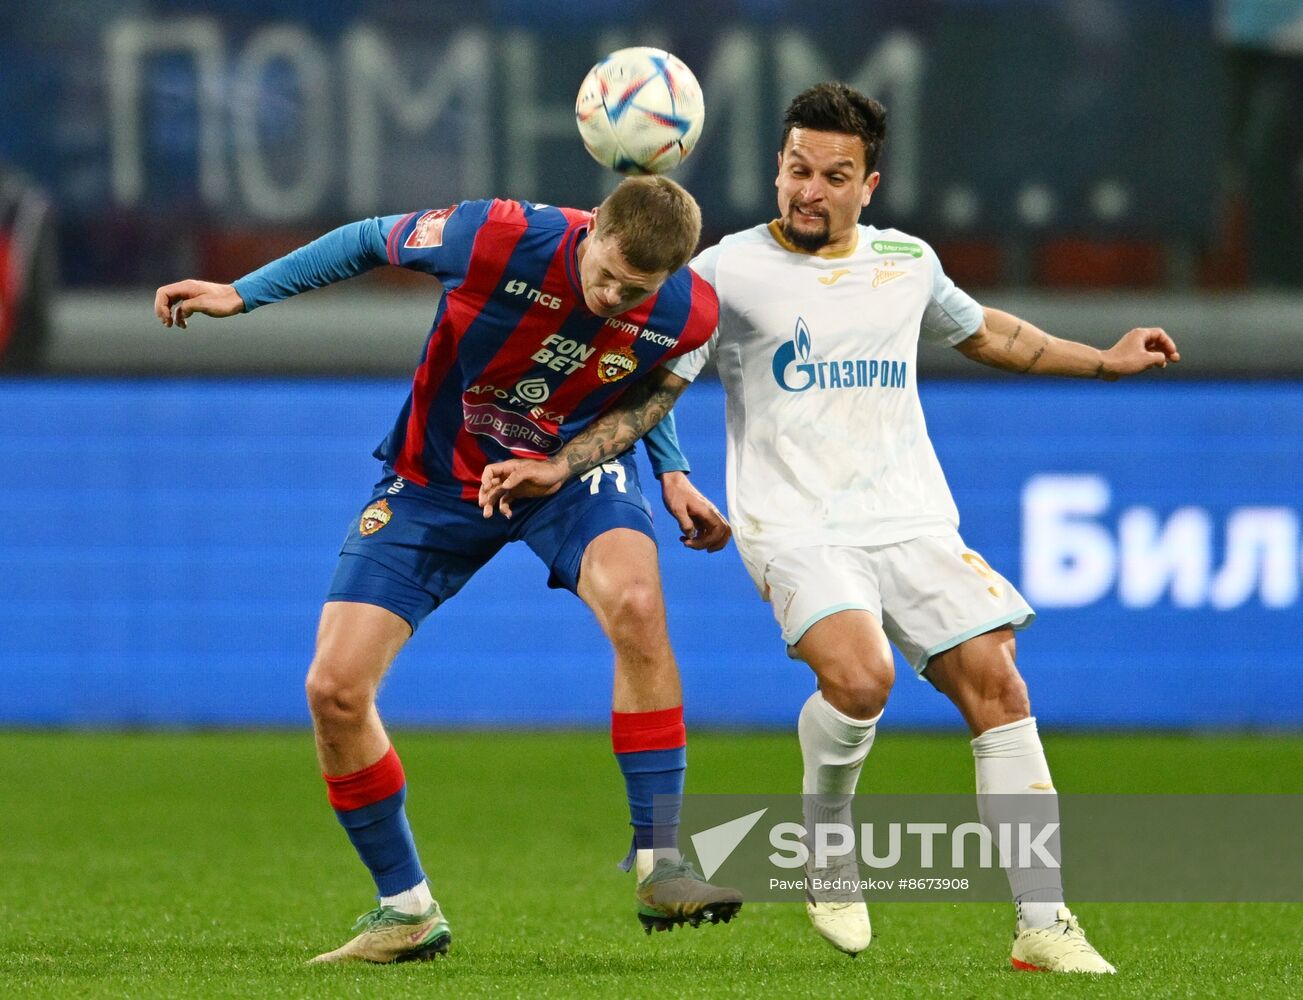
pixel 845 926
pixel 839 914
pixel 1061 947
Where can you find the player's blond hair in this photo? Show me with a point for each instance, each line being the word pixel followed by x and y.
pixel 655 222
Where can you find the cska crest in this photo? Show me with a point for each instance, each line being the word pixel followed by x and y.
pixel 375 517
pixel 615 364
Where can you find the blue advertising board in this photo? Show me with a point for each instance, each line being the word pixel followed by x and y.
pixel 166 545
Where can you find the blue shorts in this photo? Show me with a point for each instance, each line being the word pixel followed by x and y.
pixel 413 547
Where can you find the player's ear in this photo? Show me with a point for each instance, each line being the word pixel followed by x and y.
pixel 870 183
pixel 779 175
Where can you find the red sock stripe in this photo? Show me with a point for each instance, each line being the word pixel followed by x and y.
pixel 371 784
pixel 634 731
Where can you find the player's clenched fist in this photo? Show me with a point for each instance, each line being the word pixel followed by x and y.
pixel 520 477
pixel 175 302
pixel 703 526
pixel 1139 350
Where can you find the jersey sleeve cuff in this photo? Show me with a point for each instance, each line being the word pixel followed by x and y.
pixel 249 304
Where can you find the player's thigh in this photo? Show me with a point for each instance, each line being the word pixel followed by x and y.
pixel 937 593
pixel 981 677
pixel 411 548
pixel 848 650
pixel 356 643
pixel 619 578
pixel 826 601
pixel 597 526
pixel 808 586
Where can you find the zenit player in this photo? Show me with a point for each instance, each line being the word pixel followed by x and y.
pixel 548 315
pixel 843 516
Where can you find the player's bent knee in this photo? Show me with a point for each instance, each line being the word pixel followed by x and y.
pixel 858 703
pixel 635 607
pixel 995 698
pixel 335 700
pixel 860 692
pixel 1012 699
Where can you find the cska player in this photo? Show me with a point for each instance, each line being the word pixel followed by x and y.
pixel 548 315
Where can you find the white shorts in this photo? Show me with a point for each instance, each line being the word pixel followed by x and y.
pixel 930 593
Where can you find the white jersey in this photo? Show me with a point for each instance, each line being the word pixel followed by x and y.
pixel 826 438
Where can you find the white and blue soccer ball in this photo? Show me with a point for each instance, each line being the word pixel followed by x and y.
pixel 640 111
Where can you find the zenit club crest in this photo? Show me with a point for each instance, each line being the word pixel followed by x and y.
pixel 886 273
pixel 615 364
pixel 375 517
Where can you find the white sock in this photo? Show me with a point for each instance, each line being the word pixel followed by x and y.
pixel 1013 786
pixel 413 901
pixel 645 859
pixel 833 747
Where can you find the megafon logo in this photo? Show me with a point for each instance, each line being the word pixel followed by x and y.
pixel 798 346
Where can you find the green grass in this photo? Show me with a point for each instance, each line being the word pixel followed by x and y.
pixel 177 866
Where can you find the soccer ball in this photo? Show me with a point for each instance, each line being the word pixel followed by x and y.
pixel 640 111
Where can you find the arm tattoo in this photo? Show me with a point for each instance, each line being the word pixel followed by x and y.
pixel 1008 344
pixel 1106 373
pixel 615 431
pixel 1036 357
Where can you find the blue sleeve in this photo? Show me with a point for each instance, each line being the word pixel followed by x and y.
pixel 663 451
pixel 342 253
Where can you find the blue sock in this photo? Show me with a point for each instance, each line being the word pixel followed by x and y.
pixel 653 780
pixel 652 752
pixel 369 804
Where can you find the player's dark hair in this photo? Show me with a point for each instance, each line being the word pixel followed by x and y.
pixel 655 222
pixel 835 107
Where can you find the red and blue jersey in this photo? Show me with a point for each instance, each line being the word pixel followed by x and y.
pixel 515 364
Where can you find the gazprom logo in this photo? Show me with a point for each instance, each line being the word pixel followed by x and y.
pixel 795 372
pixel 799 345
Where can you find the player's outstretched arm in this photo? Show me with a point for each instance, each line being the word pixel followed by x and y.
pixel 175 303
pixel 342 253
pixel 1011 344
pixel 631 416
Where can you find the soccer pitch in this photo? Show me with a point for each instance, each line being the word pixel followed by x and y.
pixel 170 865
